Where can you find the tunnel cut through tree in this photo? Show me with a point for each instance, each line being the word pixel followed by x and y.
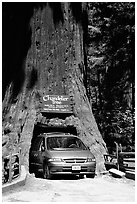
pixel 55 65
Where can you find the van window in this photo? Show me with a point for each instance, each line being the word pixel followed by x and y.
pixel 65 142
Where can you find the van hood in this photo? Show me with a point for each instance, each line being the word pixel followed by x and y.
pixel 71 154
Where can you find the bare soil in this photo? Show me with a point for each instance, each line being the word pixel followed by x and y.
pixel 72 189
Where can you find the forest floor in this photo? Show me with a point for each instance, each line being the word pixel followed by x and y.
pixel 72 189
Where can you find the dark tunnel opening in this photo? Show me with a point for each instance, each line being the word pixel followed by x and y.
pixel 40 128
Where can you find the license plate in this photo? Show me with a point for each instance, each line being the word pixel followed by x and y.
pixel 76 168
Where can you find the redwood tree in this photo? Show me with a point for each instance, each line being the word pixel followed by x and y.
pixel 55 64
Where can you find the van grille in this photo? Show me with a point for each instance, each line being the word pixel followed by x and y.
pixel 75 160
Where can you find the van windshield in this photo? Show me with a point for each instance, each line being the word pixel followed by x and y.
pixel 63 143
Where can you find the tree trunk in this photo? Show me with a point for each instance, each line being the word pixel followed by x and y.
pixel 53 65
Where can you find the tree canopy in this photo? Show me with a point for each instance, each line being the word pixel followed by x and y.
pixel 111 68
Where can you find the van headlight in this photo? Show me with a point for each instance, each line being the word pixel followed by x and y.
pixel 91 160
pixel 55 160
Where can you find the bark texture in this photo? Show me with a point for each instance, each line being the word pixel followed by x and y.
pixel 54 65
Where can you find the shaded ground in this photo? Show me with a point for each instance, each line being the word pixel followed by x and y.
pixel 73 189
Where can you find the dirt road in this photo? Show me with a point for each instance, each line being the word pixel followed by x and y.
pixel 73 189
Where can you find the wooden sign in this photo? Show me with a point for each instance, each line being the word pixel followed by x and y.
pixel 56 103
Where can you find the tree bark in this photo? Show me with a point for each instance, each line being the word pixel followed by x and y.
pixel 53 66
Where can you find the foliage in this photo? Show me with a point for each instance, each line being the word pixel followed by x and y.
pixel 111 69
pixel 116 126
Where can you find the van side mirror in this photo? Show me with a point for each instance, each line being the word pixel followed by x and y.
pixel 42 148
